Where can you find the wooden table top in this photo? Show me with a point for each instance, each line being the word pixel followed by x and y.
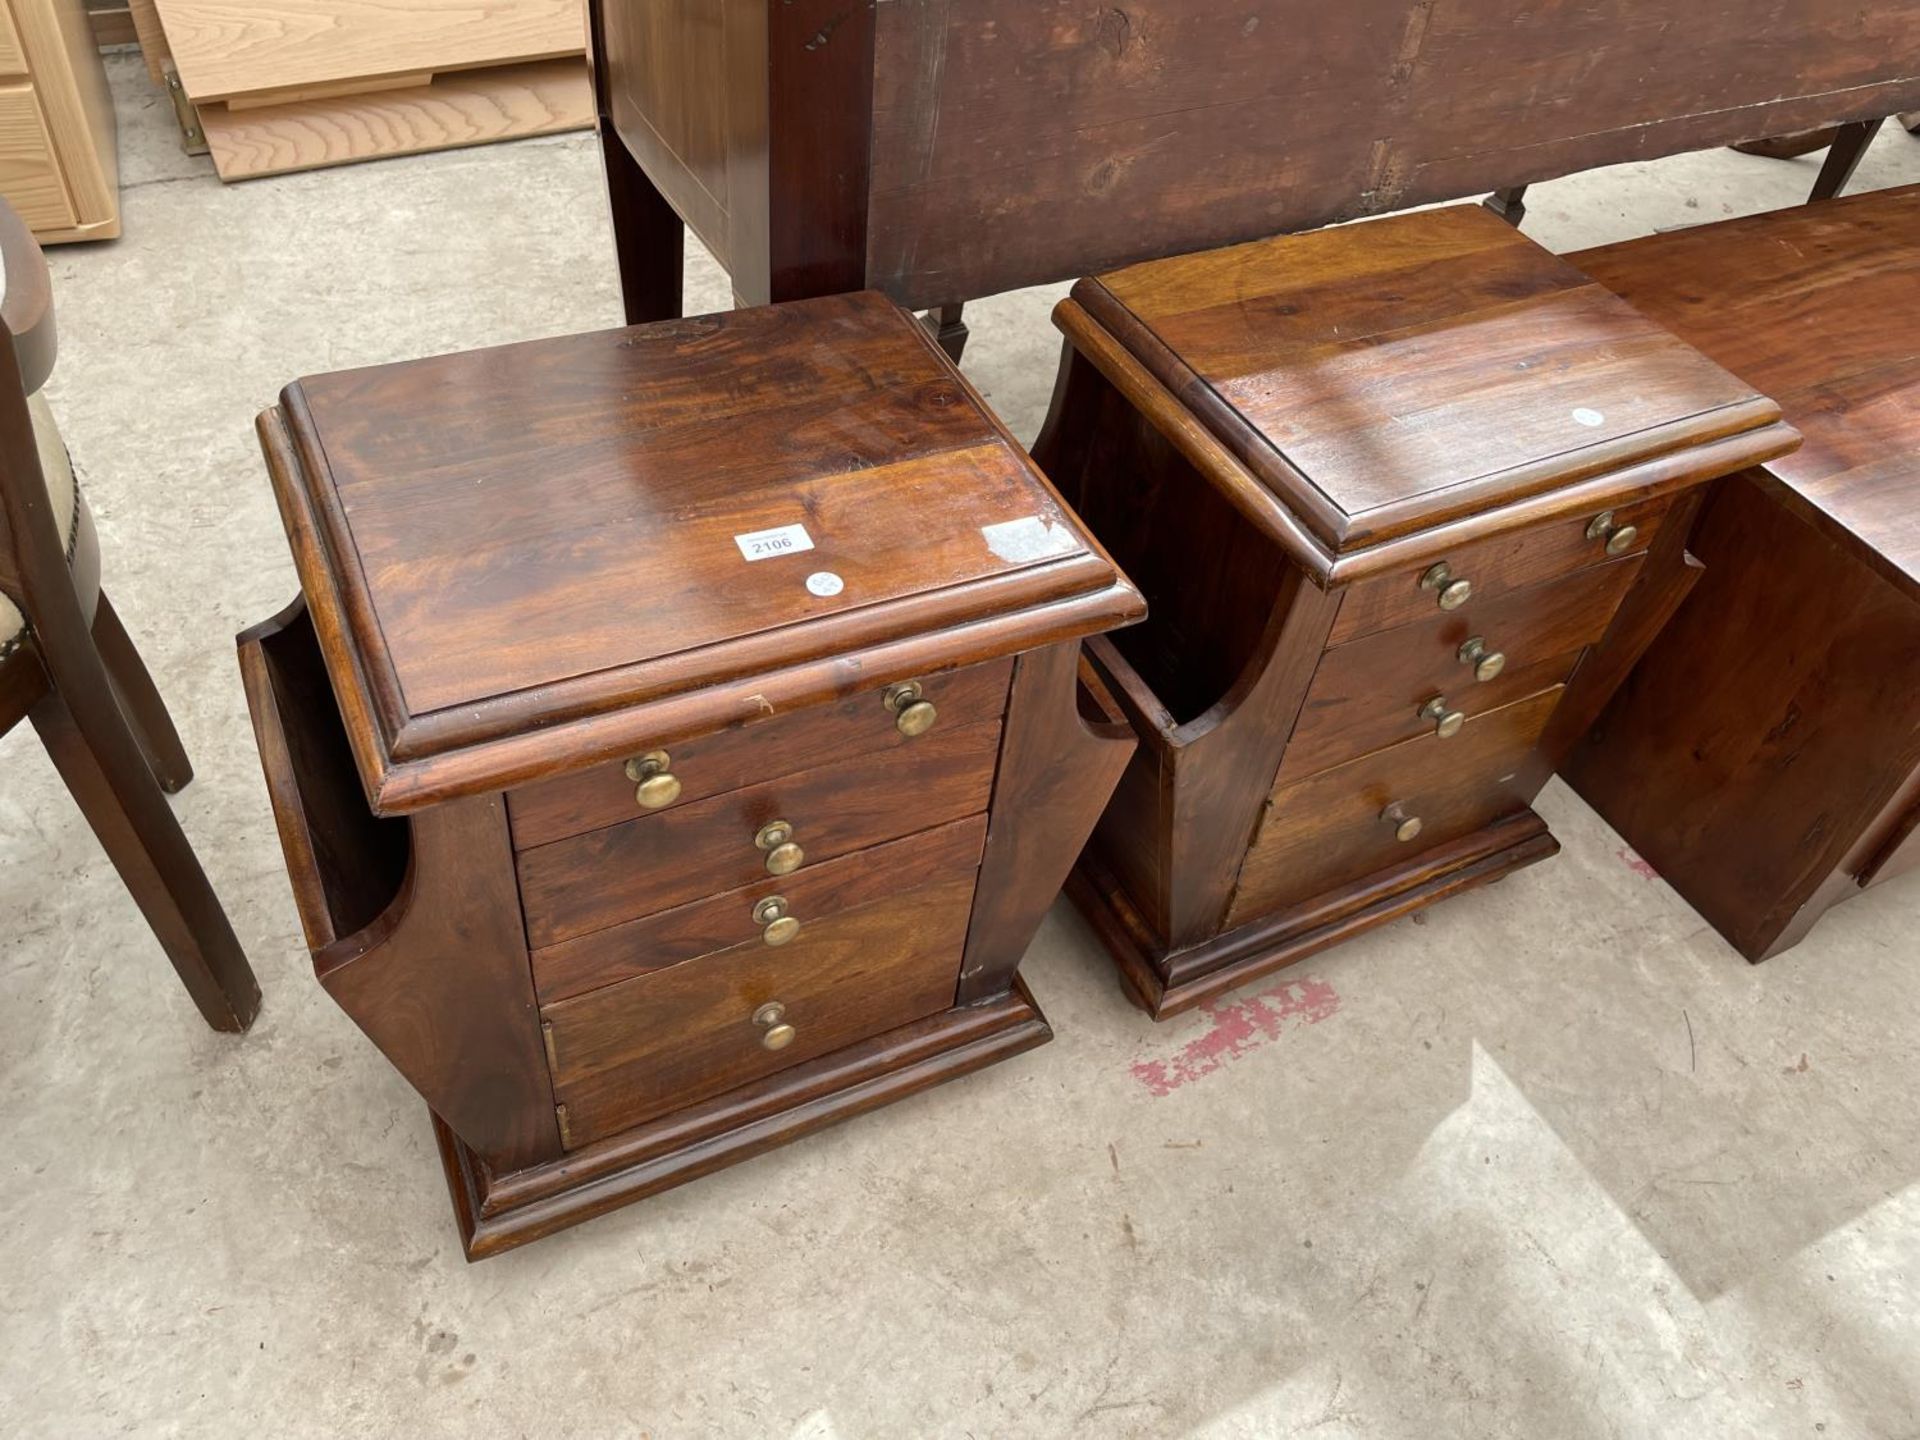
pixel 1390 376
pixel 536 535
pixel 1819 306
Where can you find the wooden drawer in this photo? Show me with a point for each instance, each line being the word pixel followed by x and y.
pixel 29 172
pixel 1368 694
pixel 666 858
pixel 713 764
pixel 812 895
pixel 1319 832
pixel 629 1052
pixel 1493 567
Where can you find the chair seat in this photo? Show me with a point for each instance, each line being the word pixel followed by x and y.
pixel 58 468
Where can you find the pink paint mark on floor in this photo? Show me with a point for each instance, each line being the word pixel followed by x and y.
pixel 1240 1027
pixel 1638 866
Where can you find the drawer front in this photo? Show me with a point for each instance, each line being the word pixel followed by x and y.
pixel 633 1051
pixel 29 174
pixel 1368 694
pixel 575 886
pixel 810 896
pixel 1492 567
pixel 714 764
pixel 1329 829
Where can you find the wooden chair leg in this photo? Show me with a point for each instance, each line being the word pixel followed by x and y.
pixel 140 701
pixel 1850 142
pixel 95 751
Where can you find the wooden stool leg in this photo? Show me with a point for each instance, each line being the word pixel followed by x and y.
pixel 1850 142
pixel 649 239
pixel 140 701
pixel 95 752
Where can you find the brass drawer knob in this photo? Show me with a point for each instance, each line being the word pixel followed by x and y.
pixel 771 1018
pixel 783 856
pixel 1405 827
pixel 911 715
pixel 1446 723
pixel 1487 664
pixel 777 925
pixel 1619 538
pixel 657 787
pixel 1453 593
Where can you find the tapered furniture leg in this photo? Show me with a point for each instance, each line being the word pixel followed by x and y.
pixel 94 749
pixel 949 330
pixel 1510 204
pixel 1850 142
pixel 649 239
pixel 140 701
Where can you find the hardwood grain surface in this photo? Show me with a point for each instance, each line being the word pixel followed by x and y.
pixel 1505 373
pixel 239 47
pixel 1815 306
pixel 492 625
pixel 1098 134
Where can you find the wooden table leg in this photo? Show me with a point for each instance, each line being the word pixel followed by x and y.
pixel 649 239
pixel 1850 142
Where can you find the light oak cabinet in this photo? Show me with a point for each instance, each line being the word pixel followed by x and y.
pixel 57 161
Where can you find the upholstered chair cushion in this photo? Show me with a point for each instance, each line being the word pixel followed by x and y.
pixel 60 489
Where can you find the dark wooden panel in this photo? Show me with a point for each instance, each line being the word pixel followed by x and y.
pixel 1773 720
pixel 1088 136
pixel 1066 744
pixel 1328 829
pixel 748 754
pixel 719 922
pixel 659 1042
pixel 1815 307
pixel 651 864
pixel 1365 694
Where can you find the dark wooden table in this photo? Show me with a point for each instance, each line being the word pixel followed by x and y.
pixel 941 150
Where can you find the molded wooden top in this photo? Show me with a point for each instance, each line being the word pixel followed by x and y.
pixel 1820 307
pixel 1385 378
pixel 530 557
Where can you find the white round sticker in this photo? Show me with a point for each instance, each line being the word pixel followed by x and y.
pixel 1589 418
pixel 825 582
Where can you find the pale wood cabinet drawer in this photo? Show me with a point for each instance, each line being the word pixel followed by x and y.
pixel 588 882
pixel 627 1053
pixel 29 171
pixel 729 759
pixel 1331 827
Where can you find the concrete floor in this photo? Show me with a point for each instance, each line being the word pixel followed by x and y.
pixel 1547 1161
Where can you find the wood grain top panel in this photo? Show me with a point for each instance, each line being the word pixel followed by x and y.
pixel 507 540
pixel 1385 377
pixel 1820 307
